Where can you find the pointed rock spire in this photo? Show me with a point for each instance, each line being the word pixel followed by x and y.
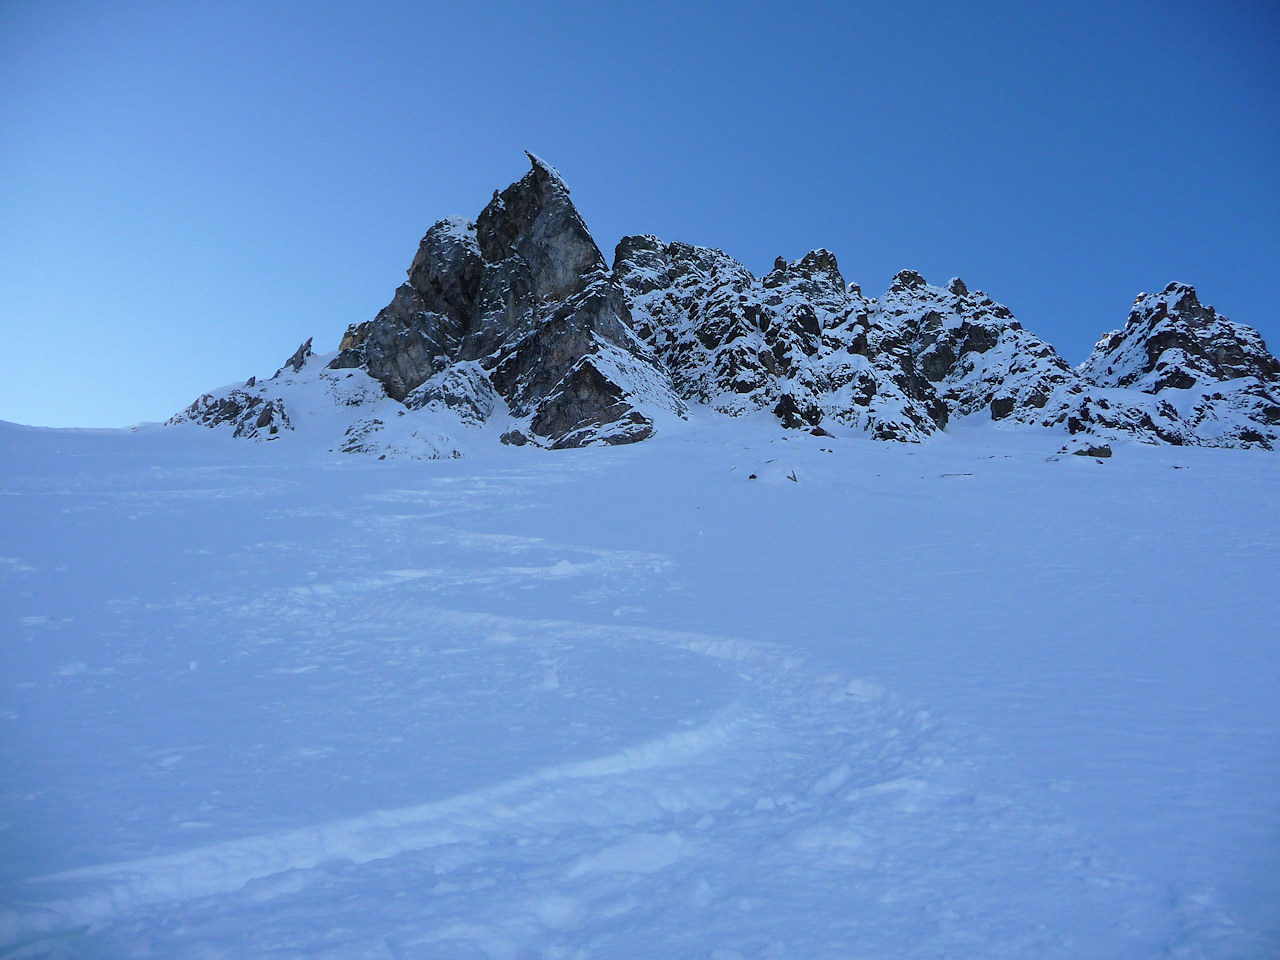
pixel 525 293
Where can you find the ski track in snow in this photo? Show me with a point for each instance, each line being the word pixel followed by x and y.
pixel 668 792
pixel 801 773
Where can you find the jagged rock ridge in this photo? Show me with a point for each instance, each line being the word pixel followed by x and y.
pixel 514 321
pixel 797 341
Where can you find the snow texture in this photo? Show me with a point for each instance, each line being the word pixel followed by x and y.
pixel 735 692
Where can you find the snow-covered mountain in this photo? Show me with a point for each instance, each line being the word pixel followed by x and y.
pixel 739 691
pixel 513 325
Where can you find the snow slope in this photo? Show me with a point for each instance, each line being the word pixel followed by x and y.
pixel 967 698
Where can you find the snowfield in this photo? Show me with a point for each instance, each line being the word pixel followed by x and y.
pixel 967 698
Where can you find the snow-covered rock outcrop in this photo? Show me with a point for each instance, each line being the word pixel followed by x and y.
pixel 815 351
pixel 976 356
pixel 982 363
pixel 1177 373
pixel 1216 374
pixel 336 409
pixel 514 323
pixel 1171 340
pixel 797 341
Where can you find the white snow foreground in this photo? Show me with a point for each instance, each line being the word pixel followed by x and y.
pixel 734 692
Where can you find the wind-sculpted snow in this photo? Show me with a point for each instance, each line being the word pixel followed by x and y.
pixel 736 692
pixel 513 320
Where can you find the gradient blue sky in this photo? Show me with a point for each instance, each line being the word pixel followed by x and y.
pixel 187 191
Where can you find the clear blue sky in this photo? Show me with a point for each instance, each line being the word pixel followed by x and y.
pixel 187 191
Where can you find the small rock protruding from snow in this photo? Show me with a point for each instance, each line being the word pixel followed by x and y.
pixel 1085 448
pixel 299 358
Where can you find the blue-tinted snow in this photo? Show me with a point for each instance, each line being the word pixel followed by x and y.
pixel 960 699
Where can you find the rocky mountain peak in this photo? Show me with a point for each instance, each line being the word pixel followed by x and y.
pixel 1172 340
pixel 816 269
pixel 797 341
pixel 906 280
pixel 514 317
pixel 513 314
pixel 535 221
pixel 299 358
pixel 978 358
pixel 1213 380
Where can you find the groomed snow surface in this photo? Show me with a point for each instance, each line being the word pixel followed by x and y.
pixel 961 699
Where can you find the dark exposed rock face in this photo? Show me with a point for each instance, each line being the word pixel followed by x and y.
pixel 297 361
pixel 516 316
pixel 414 335
pixel 524 295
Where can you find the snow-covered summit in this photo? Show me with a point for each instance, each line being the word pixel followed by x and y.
pixel 797 341
pixel 1216 373
pixel 971 349
pixel 1172 340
